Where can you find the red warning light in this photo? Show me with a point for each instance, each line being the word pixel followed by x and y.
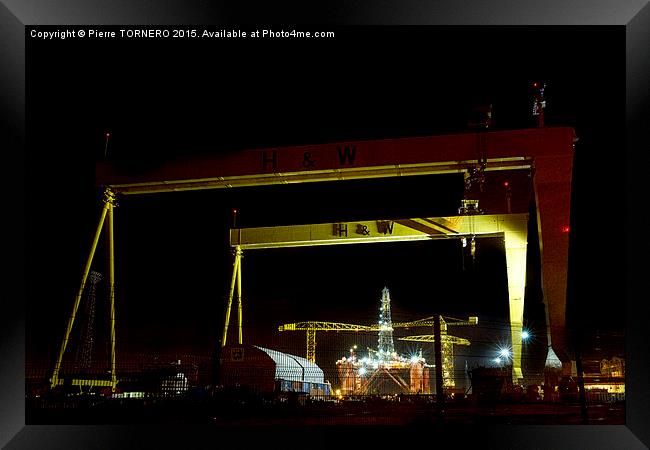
pixel 108 134
pixel 506 184
pixel 534 84
pixel 565 229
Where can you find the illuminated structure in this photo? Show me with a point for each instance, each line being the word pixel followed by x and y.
pixel 386 346
pixel 358 374
pixel 383 366
pixel 311 327
pixel 383 374
pixel 547 150
pixel 264 370
pixel 447 342
pixel 513 228
pixel 610 377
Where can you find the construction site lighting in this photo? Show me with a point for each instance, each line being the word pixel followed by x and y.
pixel 525 334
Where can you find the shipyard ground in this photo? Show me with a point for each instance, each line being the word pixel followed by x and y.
pixel 361 412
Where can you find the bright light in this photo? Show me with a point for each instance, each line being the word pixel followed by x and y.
pixel 525 334
pixel 362 371
pixel 504 352
pixel 497 360
pixel 415 358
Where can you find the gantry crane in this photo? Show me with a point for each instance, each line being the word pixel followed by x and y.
pixel 310 327
pixel 547 150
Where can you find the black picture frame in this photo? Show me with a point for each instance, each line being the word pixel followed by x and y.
pixel 14 16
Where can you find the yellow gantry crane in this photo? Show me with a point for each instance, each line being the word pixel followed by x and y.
pixel 310 327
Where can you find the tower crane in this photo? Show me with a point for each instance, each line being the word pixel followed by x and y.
pixel 310 327
pixel 447 342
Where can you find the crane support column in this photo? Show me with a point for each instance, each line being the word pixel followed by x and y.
pixel 235 276
pixel 515 241
pixel 239 306
pixel 111 276
pixel 311 345
pixel 109 198
pixel 553 198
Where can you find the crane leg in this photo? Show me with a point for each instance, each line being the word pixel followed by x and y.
pixel 239 301
pixel 108 201
pixel 111 276
pixel 235 271
pixel 515 246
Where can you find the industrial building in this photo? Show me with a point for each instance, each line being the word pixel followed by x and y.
pixel 264 371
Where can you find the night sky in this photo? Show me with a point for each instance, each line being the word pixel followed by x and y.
pixel 164 98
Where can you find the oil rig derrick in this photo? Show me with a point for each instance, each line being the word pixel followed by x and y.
pixel 386 345
pixel 383 370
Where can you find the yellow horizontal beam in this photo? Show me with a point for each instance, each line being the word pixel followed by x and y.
pixel 307 176
pixel 324 326
pixel 430 338
pixel 86 382
pixel 336 326
pixel 362 232
pixel 430 321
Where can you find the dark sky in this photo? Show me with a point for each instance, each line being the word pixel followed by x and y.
pixel 160 98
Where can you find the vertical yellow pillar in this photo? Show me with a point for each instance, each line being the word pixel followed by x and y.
pixel 239 301
pixel 111 281
pixel 516 238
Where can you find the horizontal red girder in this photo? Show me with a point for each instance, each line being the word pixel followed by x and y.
pixel 535 142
